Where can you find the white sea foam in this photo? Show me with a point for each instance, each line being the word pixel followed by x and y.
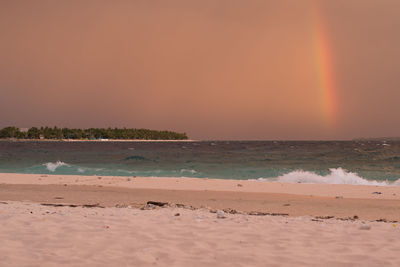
pixel 53 166
pixel 189 171
pixel 336 176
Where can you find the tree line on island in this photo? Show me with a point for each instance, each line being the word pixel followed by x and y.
pixel 89 134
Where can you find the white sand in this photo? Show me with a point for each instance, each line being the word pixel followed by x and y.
pixel 35 235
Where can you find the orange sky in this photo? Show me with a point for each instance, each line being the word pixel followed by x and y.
pixel 214 69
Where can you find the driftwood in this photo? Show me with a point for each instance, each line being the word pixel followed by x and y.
pixel 157 203
pixel 324 217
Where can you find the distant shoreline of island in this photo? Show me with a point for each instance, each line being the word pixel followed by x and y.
pixel 97 140
pixel 90 134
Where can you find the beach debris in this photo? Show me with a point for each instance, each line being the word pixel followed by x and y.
pixel 2 202
pixel 286 205
pixel 260 213
pixel 355 217
pixel 381 220
pixel 157 203
pixel 221 214
pixel 151 205
pixel 53 205
pixel 177 214
pixel 278 214
pixel 230 211
pixel 377 193
pixel 239 185
pixel 365 227
pixel 97 205
pixel 339 197
pixel 257 213
pixel 128 179
pixel 325 217
pixel 316 220
pixel 148 207
pixel 99 177
pixel 58 198
pixel 182 206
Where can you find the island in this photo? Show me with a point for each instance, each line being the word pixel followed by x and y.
pixel 55 133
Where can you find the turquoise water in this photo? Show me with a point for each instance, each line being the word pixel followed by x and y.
pixel 339 162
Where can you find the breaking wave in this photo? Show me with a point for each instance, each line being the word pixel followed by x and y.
pixel 60 167
pixel 188 171
pixel 336 176
pixel 52 167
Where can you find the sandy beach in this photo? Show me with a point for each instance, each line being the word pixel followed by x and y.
pixel 50 220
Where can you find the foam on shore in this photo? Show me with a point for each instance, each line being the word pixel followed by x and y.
pixel 336 176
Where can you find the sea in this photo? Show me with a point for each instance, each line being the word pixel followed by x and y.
pixel 332 162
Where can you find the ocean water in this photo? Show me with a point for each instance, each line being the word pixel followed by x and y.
pixel 350 162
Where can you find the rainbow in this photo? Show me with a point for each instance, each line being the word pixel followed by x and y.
pixel 325 70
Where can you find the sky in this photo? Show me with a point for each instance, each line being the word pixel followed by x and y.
pixel 215 69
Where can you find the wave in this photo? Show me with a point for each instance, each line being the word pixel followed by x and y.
pixel 188 171
pixel 61 167
pixel 52 167
pixel 336 176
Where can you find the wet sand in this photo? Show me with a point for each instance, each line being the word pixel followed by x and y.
pixel 341 201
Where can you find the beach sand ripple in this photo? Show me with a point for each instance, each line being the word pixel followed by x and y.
pixel 35 235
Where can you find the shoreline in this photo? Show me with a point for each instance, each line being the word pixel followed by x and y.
pixel 340 201
pixel 208 184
